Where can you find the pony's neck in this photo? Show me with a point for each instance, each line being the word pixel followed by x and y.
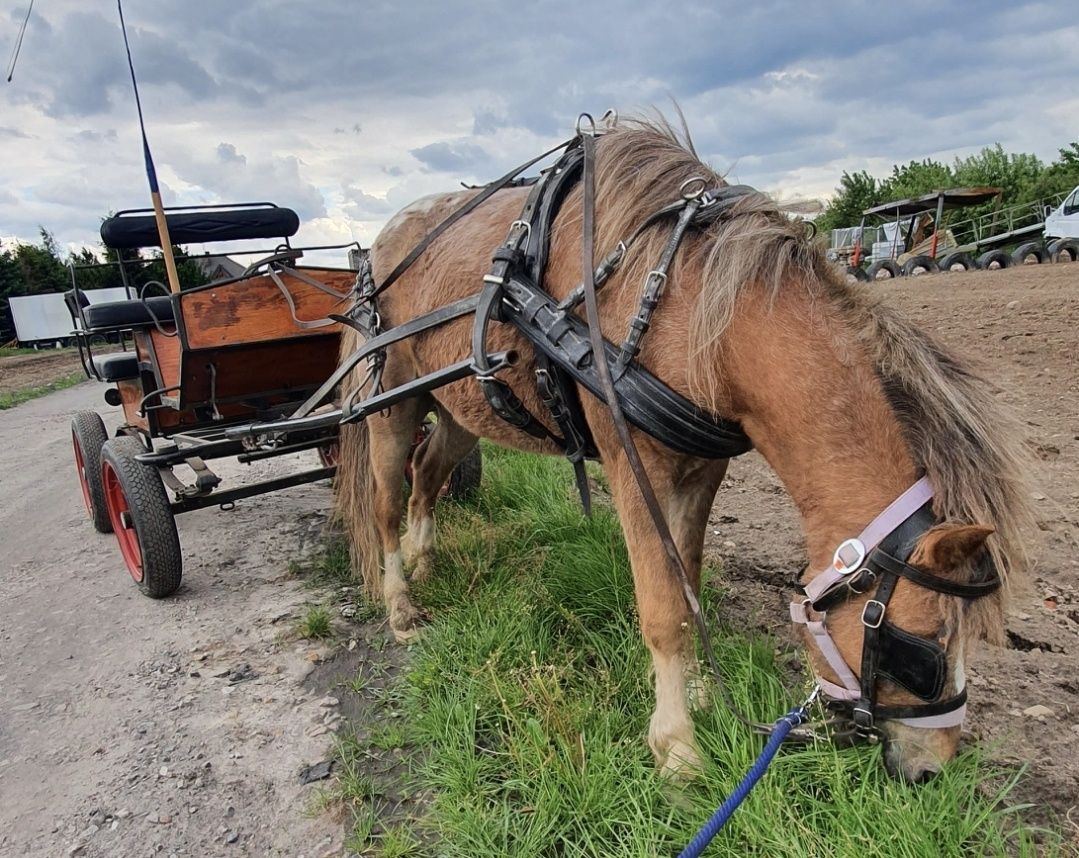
pixel 807 394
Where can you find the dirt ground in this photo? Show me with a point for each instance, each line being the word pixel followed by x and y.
pixel 1020 327
pixel 132 727
pixel 36 368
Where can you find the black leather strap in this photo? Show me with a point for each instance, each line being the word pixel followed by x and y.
pixel 464 210
pixel 920 710
pixel 885 561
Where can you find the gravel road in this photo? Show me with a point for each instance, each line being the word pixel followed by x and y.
pixel 119 733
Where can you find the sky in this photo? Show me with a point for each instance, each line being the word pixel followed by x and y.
pixel 347 111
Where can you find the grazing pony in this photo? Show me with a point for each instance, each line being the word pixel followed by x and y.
pixel 846 400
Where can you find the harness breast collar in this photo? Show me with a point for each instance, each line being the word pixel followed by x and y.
pixel 878 557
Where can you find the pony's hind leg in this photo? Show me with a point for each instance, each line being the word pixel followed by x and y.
pixel 391 438
pixel 666 624
pixel 432 464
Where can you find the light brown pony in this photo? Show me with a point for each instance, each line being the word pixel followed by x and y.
pixel 847 401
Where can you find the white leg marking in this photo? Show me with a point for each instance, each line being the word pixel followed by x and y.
pixel 395 593
pixel 670 733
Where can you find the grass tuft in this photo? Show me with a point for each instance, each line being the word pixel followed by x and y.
pixel 315 624
pixel 527 702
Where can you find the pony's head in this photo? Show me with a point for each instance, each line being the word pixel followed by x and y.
pixel 899 639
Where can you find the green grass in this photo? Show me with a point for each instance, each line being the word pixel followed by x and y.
pixel 10 400
pixel 315 624
pixel 527 701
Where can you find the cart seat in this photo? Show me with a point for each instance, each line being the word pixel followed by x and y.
pixel 128 314
pixel 117 367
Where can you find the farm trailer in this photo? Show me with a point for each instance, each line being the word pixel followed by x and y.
pixel 1028 233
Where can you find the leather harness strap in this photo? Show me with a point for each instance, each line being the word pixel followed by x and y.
pixel 610 397
pixel 464 210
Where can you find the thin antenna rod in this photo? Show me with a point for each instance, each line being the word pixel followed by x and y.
pixel 151 171
pixel 18 43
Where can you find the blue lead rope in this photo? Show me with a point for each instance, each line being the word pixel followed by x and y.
pixel 779 732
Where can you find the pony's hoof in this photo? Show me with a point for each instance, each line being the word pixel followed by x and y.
pixel 404 621
pixel 682 762
pixel 406 636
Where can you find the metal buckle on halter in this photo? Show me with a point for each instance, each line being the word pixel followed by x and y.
pixel 849 556
pixel 878 616
pixel 865 570
pixel 862 718
pixel 511 241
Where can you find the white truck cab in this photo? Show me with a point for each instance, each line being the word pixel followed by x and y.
pixel 1063 222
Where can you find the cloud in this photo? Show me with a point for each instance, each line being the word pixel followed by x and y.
pixel 449 156
pixel 347 116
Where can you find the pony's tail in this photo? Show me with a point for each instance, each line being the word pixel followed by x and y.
pixel 353 507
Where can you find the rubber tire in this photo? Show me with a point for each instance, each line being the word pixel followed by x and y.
pixel 998 256
pixel 1064 250
pixel 1024 251
pixel 921 261
pixel 465 479
pixel 151 516
pixel 957 258
pixel 88 433
pixel 857 273
pixel 888 266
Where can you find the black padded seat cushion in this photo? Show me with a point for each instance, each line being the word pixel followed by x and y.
pixel 117 367
pixel 128 314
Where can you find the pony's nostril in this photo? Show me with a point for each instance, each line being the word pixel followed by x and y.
pixel 927 774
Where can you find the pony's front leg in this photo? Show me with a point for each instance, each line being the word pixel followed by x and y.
pixel 666 624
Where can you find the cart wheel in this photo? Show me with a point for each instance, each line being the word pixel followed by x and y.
pixel 957 261
pixel 994 260
pixel 465 479
pixel 88 435
pixel 141 518
pixel 1064 250
pixel 856 273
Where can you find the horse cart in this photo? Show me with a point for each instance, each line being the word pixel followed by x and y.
pixel 196 364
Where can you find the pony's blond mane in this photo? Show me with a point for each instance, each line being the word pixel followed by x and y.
pixel 958 433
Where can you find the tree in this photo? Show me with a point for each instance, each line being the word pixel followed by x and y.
pixel 916 179
pixel 856 193
pixel 1014 172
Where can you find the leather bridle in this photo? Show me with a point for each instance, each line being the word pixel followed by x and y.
pixel 878 558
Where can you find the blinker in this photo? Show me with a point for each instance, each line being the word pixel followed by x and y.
pixel 912 662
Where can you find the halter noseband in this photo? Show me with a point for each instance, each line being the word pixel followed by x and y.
pixel 878 557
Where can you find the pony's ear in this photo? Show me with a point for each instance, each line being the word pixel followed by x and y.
pixel 946 546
